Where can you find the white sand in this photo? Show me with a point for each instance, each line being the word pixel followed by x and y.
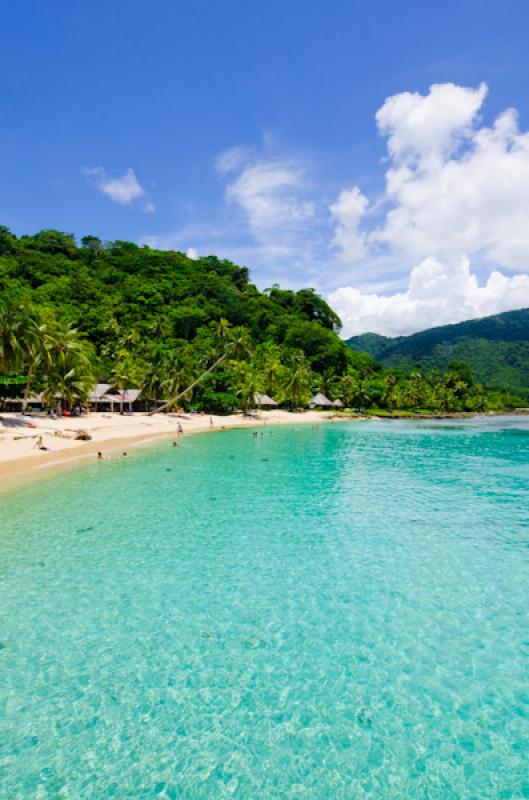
pixel 21 461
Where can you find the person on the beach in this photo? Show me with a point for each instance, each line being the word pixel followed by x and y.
pixel 180 429
pixel 101 457
pixel 40 444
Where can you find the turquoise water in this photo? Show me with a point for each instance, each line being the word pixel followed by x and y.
pixel 332 613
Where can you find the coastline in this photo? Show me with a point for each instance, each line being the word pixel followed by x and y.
pixel 22 464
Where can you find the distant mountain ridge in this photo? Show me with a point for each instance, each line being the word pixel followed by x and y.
pixel 496 348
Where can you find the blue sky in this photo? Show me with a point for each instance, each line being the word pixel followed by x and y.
pixel 249 129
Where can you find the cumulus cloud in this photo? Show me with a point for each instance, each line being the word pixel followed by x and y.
pixel 124 189
pixel 437 294
pixel 269 192
pixel 192 254
pixel 347 212
pixel 428 127
pixel 457 192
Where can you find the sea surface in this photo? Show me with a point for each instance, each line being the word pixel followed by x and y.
pixel 339 612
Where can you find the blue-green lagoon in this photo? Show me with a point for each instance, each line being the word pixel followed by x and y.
pixel 339 612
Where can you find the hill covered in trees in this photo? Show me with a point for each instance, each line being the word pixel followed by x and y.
pixel 74 313
pixel 496 348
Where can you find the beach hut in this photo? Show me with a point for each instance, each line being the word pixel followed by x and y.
pixel 34 400
pixel 129 397
pixel 320 401
pixel 97 393
pixel 337 403
pixel 264 401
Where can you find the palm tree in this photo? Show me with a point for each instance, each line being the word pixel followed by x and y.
pixel 18 335
pixel 60 350
pixel 237 346
pixel 349 389
pixel 70 378
pixel 70 385
pixel 249 384
pixel 298 381
pixel 124 373
pixel 165 376
pixel 329 383
pixel 23 342
pixel 271 369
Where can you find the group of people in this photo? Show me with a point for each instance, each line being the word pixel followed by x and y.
pixel 101 457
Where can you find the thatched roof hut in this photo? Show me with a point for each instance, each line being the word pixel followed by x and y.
pixel 337 403
pixel 264 401
pixel 320 401
pixel 97 392
pixel 128 397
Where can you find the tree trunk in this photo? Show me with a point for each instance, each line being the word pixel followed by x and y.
pixel 26 389
pixel 188 389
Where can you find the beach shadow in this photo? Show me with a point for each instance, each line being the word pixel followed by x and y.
pixel 7 422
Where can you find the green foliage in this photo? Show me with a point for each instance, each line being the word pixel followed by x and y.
pixel 496 349
pixel 194 333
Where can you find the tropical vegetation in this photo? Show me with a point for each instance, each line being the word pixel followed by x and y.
pixel 496 348
pixel 189 332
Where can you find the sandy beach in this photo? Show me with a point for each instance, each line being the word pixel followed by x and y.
pixel 22 461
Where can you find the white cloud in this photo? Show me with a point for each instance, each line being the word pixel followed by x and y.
pixel 231 159
pixel 123 190
pixel 268 193
pixel 192 254
pixel 455 203
pixel 477 203
pixel 428 127
pixel 348 211
pixel 437 294
pixel 458 193
pixel 453 187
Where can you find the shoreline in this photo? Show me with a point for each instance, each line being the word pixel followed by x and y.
pixel 21 465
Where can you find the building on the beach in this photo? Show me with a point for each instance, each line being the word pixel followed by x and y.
pixel 127 399
pixel 320 401
pixel 337 403
pixel 98 392
pixel 264 401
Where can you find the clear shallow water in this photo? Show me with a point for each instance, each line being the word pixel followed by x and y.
pixel 332 613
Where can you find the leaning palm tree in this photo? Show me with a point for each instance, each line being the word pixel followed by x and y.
pixel 165 376
pixel 237 346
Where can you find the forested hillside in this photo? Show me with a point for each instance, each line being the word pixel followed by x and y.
pixel 134 316
pixel 496 348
